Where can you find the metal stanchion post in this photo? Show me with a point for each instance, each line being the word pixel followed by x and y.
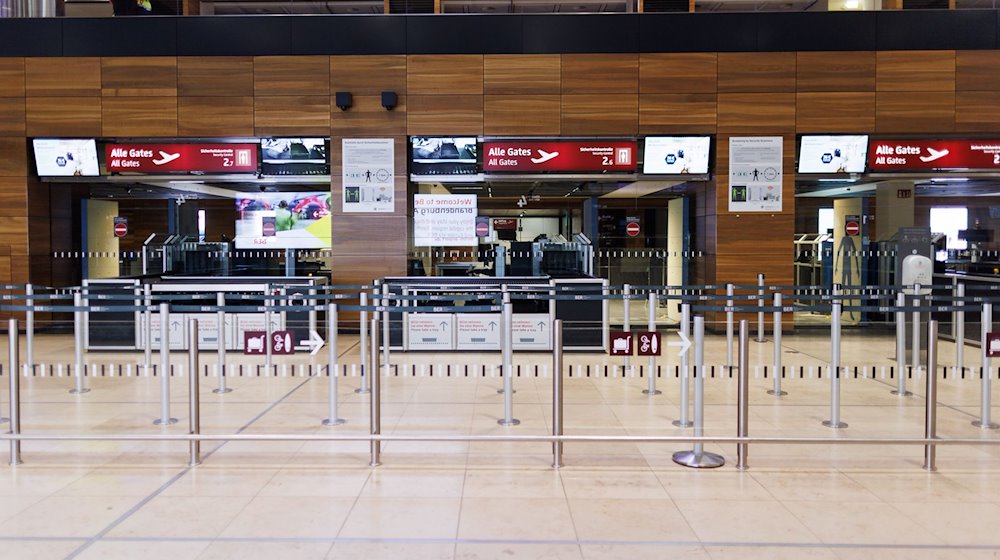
pixel 835 312
pixel 651 376
pixel 900 347
pixel 268 343
pixel 915 333
pixel 760 303
pixel 333 419
pixel 385 329
pixel 930 404
pixel 376 396
pixel 960 330
pixel 505 333
pixel 683 421
pixel 743 396
pixel 363 328
pixel 148 327
pixel 220 300
pixel 776 390
pixel 699 458
pixel 194 396
pixel 164 418
pixel 557 391
pixel 626 320
pixel 985 421
pixel 15 392
pixel 730 290
pixel 78 321
pixel 507 343
pixel 29 320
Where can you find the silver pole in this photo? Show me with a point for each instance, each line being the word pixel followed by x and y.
pixel 385 329
pixel 363 324
pixel 164 418
pixel 627 320
pixel 78 322
pixel 557 391
pixel 220 300
pixel 194 396
pixel 930 404
pixel 985 404
pixel 29 316
pixel 743 396
pixel 148 327
pixel 651 378
pixel 15 392
pixel 835 312
pixel 760 303
pixel 776 391
pixel 730 289
pixel 332 369
pixel 376 396
pixel 507 343
pixel 698 458
pixel 900 347
pixel 683 421
pixel 960 331
pixel 268 305
pixel 915 350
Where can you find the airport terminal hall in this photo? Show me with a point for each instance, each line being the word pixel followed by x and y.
pixel 499 279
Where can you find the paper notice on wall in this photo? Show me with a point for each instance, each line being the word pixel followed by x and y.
pixel 755 174
pixel 444 220
pixel 368 175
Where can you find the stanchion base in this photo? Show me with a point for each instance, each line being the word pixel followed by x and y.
pixel 653 392
pixel 161 422
pixel 334 421
pixel 4 420
pixel 685 424
pixel 699 461
pixel 760 340
pixel 989 426
pixel 79 392
pixel 512 422
pixel 222 391
pixel 777 394
pixel 903 394
pixel 500 391
pixel 361 391
pixel 834 425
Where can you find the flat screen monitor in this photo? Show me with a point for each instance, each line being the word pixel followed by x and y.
pixel 64 157
pixel 439 155
pixel 287 220
pixel 295 156
pixel 676 155
pixel 833 154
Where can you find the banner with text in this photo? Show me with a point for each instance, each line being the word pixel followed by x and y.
pixel 444 220
pixel 190 158
pixel 529 157
pixel 929 155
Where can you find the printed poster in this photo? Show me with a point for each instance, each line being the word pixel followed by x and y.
pixel 444 220
pixel 755 174
pixel 369 174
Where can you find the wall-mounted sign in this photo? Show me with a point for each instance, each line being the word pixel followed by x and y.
pixel 120 227
pixel 675 155
pixel 55 157
pixel 927 155
pixel 368 175
pixel 170 158
pixel 755 173
pixel 504 223
pixel 833 154
pixel 569 156
pixel 444 220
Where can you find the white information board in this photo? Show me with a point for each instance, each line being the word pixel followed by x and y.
pixel 444 220
pixel 532 331
pixel 368 175
pixel 431 331
pixel 178 330
pixel 755 173
pixel 477 331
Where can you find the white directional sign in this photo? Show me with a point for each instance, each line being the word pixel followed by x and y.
pixel 684 343
pixel 532 331
pixel 315 342
pixel 477 331
pixel 431 331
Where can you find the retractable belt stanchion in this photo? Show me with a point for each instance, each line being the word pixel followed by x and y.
pixel 376 396
pixel 699 458
pixel 960 330
pixel 683 421
pixel 78 366
pixel 363 331
pixel 194 395
pixel 835 312
pixel 900 346
pixel 776 390
pixel 651 376
pixel 220 300
pixel 626 322
pixel 385 330
pixel 29 326
pixel 164 368
pixel 760 303
pixel 986 385
pixel 743 396
pixel 730 290
pixel 15 392
pixel 148 327
pixel 915 350
pixel 930 404
pixel 504 332
pixel 506 346
pixel 557 391
pixel 268 343
pixel 333 419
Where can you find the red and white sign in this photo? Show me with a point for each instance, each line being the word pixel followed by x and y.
pixel 504 223
pixel 632 229
pixel 482 226
pixel 921 155
pixel 170 158
pixel 852 228
pixel 121 226
pixel 500 156
pixel 621 343
pixel 648 343
pixel 282 342
pixel 993 345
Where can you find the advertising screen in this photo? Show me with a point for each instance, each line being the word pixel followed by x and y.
pixel 430 156
pixel 294 156
pixel 833 154
pixel 283 221
pixel 66 157
pixel 676 155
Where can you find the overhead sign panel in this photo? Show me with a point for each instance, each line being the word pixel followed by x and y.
pixel 184 158
pixel 555 156
pixel 833 154
pixel 676 155
pixel 932 155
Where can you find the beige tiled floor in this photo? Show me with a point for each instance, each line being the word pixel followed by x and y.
pixel 484 500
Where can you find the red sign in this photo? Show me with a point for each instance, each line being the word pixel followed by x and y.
pixel 558 156
pixel 168 158
pixel 621 343
pixel 648 343
pixel 504 223
pixel 282 342
pixel 121 226
pixel 482 226
pixel 632 229
pixel 993 345
pixel 852 228
pixel 926 155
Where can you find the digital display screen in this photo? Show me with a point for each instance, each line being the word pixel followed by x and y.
pixel 439 155
pixel 295 156
pixel 676 155
pixel 833 154
pixel 288 220
pixel 56 157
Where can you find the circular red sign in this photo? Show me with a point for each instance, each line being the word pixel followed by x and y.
pixel 632 229
pixel 267 228
pixel 852 228
pixel 121 229
pixel 482 229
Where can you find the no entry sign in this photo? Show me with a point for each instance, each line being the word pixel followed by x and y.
pixel 121 226
pixel 852 225
pixel 632 229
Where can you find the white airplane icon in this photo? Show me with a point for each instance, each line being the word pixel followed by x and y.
pixel 935 154
pixel 544 156
pixel 165 158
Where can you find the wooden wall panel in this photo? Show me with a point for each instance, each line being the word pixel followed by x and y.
pixel 383 235
pixel 292 115
pixel 932 112
pixel 444 114
pixel 62 76
pixel 612 114
pixel 12 116
pixel 226 76
pixel 756 112
pixel 678 113
pixel 516 74
pixel 291 75
pixel 600 73
pixel 14 232
pixel 835 71
pixel 64 116
pixel 14 162
pixel 363 270
pixel 757 72
pixel 140 116
pixel 977 70
pixel 367 117
pixel 835 112
pixel 13 197
pixel 915 71
pixel 977 111
pixel 678 73
pixel 456 74
pixel 521 114
pixel 11 77
pixel 131 76
pixel 215 116
pixel 368 75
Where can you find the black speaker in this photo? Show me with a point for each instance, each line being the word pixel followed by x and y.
pixel 389 100
pixel 344 100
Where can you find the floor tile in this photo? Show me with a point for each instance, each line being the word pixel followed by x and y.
pixel 290 516
pixel 521 518
pixel 181 516
pixel 629 520
pixel 257 550
pixel 743 521
pixel 646 551
pixel 490 551
pixel 391 551
pixel 426 518
pixel 66 516
pixel 147 550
